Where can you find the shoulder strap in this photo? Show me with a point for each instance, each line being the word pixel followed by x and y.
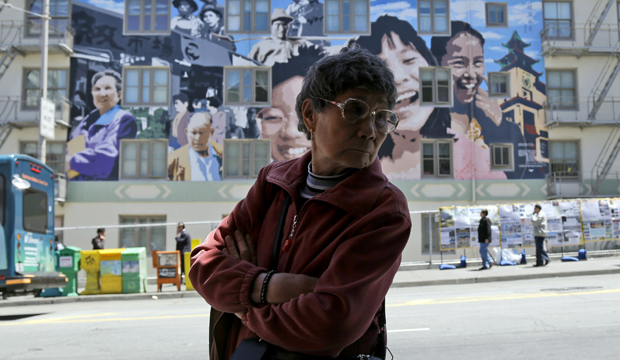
pixel 277 241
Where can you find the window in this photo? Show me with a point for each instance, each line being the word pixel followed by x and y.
pixel 54 154
pixel 433 17
pixel 144 86
pixel 496 14
pixel 501 156
pixel 152 237
pixel 244 158
pixel 564 158
pixel 347 16
pixel 561 89
pixel 499 84
pixel 247 86
pixel 57 87
pixel 248 16
pixel 2 200
pixel 436 86
pixel 147 17
pixel 59 11
pixel 436 158
pixel 35 211
pixel 143 159
pixel 558 19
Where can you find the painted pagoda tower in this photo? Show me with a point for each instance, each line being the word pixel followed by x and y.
pixel 525 107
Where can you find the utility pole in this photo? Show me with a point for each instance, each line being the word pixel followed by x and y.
pixel 43 74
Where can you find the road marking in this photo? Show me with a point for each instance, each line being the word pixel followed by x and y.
pixel 77 320
pixel 498 297
pixel 407 330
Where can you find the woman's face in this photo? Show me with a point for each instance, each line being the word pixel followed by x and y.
pixel 464 53
pixel 185 8
pixel 105 94
pixel 404 61
pixel 338 145
pixel 211 18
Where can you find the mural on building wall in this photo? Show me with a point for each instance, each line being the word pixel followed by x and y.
pixel 196 122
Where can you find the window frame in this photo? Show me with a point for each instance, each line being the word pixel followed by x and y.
pixel 435 102
pixel 351 19
pixel 253 81
pixel 501 167
pixel 141 70
pixel 150 142
pixel 52 23
pixel 503 24
pixel 572 21
pixel 436 143
pixel 505 75
pixel 48 161
pixel 25 88
pixel 2 199
pixel 565 159
pixel 252 19
pixel 153 15
pixel 433 32
pixel 148 229
pixel 24 207
pixel 241 159
pixel 575 105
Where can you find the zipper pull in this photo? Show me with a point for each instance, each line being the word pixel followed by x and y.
pixel 287 243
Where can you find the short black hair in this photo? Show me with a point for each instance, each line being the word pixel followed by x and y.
pixel 333 75
pixel 538 207
pixel 214 101
pixel 182 97
pixel 100 231
pixel 439 43
pixel 485 211
pixel 192 3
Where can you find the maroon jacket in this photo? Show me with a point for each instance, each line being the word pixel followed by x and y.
pixel 351 237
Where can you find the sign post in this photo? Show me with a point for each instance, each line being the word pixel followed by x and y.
pixel 48 112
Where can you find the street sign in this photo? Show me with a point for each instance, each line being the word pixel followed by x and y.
pixel 48 113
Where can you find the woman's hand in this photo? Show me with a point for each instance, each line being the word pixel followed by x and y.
pixel 283 287
pixel 489 106
pixel 241 247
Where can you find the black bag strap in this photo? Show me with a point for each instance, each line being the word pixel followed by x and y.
pixel 277 241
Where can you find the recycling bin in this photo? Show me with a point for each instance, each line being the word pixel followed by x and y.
pixel 134 270
pixel 69 264
pixel 110 271
pixel 90 262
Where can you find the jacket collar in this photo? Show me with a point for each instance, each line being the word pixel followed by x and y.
pixel 357 194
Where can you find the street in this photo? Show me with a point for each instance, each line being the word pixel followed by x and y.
pixel 561 318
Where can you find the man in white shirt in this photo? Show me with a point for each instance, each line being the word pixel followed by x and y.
pixel 539 220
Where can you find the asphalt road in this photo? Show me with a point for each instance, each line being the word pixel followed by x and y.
pixel 563 318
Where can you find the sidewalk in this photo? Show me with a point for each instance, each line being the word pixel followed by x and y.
pixel 406 277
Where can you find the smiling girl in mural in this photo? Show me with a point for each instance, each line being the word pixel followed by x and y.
pixel 102 129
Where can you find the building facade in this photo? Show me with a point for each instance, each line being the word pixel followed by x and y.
pixel 167 110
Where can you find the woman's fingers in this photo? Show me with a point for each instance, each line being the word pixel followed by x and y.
pixel 232 248
pixel 242 246
pixel 252 248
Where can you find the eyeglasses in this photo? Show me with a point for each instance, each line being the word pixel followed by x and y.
pixel 354 110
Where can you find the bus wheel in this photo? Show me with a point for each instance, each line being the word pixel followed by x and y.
pixel 37 293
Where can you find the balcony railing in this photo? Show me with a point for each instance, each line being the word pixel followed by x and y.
pixel 573 40
pixel 576 111
pixel 25 36
pixel 13 110
pixel 570 184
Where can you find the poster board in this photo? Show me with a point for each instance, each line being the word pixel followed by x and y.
pixel 571 223
pixel 597 221
pixel 459 226
pixel 446 228
pixel 510 226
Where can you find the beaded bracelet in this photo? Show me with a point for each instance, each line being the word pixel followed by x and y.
pixel 263 290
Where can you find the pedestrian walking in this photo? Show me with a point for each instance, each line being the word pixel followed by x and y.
pixel 99 240
pixel 184 244
pixel 484 238
pixel 539 220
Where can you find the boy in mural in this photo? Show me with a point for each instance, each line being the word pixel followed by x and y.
pixel 99 134
pixel 308 16
pixel 399 45
pixel 178 137
pixel 200 160
pixel 278 47
pixel 186 22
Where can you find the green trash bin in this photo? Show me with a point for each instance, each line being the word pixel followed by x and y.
pixel 134 270
pixel 69 264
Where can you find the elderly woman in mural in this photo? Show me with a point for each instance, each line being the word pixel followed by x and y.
pixel 399 45
pixel 186 22
pixel 97 137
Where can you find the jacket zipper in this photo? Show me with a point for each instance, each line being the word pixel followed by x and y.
pixel 288 242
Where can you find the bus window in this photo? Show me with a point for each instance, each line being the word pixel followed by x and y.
pixel 35 211
pixel 2 202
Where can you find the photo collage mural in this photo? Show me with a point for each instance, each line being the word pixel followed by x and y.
pixel 195 120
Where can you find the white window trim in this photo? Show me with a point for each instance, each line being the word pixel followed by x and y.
pixel 436 159
pixel 24 106
pixel 153 19
pixel 138 177
pixel 497 25
pixel 575 106
pixel 252 159
pixel 436 103
pixel 253 101
pixel 510 166
pixel 572 19
pixel 433 32
pixel 351 20
pixel 52 25
pixel 506 75
pixel 563 160
pixel 252 20
pixel 151 69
